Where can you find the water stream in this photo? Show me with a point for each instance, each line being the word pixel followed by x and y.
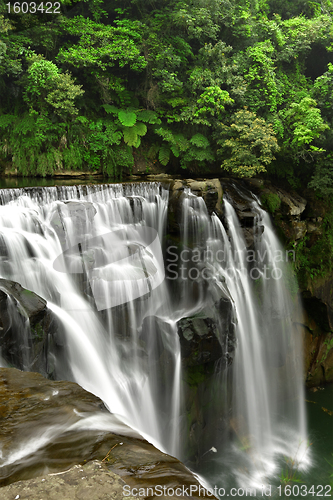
pixel 95 253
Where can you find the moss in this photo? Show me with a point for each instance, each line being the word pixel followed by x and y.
pixel 314 259
pixel 38 331
pixel 271 201
pixel 328 342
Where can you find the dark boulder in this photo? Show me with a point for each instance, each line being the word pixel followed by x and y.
pixel 208 336
pixel 27 328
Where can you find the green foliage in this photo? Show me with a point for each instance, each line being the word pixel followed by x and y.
pixel 263 88
pixel 31 141
pixel 196 150
pixel 316 260
pixel 322 180
pixel 212 102
pixel 305 121
pixel 271 201
pixel 102 46
pixel 127 118
pixel 104 78
pixel 47 86
pixel 323 91
pixel 248 144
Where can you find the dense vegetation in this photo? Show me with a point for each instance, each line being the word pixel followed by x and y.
pixel 242 84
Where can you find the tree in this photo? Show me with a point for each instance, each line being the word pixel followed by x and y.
pixel 48 88
pixel 249 144
pixel 305 124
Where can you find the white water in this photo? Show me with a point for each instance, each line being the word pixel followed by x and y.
pixel 266 409
pixel 108 354
pixel 119 353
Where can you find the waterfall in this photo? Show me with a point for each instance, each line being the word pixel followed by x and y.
pixel 58 243
pixel 96 254
pixel 265 410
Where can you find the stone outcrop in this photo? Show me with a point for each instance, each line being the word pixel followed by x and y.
pixel 318 352
pixel 209 189
pixel 208 336
pixel 26 330
pixel 318 330
pixel 47 428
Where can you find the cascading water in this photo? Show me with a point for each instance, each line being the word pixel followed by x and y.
pixel 265 410
pixel 94 254
pixel 58 248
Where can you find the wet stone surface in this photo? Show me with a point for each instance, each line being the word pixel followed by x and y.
pixel 58 441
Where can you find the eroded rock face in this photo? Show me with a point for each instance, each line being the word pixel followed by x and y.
pixel 49 427
pixel 27 328
pixel 318 300
pixel 292 204
pixel 318 352
pixel 208 337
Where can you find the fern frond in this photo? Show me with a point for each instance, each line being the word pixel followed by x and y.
pixel 200 141
pixel 127 118
pixel 149 116
pixel 111 109
pixel 140 128
pixel 164 155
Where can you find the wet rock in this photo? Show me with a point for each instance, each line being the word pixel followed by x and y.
pixel 91 481
pixel 318 352
pixel 198 339
pixel 27 328
pixel 299 229
pixel 159 177
pixel 241 200
pixel 293 204
pixel 208 189
pixel 207 337
pixel 33 305
pixel 313 227
pixel 255 183
pixel 318 301
pixel 49 427
pixel 207 344
pixel 74 173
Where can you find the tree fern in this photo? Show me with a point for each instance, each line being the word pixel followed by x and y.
pixel 127 118
pixel 175 150
pixel 111 109
pixel 140 128
pixel 153 151
pixel 131 138
pixel 200 141
pixel 164 155
pixel 149 116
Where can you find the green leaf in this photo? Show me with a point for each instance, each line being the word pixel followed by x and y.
pixel 149 116
pixel 175 150
pixel 140 128
pixel 111 109
pixel 164 155
pixel 127 118
pixel 200 141
pixel 131 138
